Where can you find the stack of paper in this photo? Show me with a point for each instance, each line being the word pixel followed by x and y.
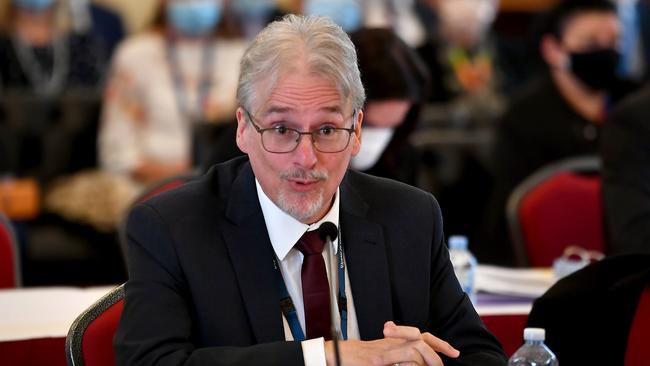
pixel 522 282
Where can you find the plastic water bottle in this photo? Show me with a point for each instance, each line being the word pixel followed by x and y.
pixel 534 352
pixel 464 264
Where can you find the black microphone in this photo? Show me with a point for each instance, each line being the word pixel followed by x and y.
pixel 328 233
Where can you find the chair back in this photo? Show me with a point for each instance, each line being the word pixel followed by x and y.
pixel 90 338
pixel 163 186
pixel 9 256
pixel 638 352
pixel 558 206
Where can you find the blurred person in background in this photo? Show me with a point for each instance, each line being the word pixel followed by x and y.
pixel 39 55
pixel 399 15
pixel 559 114
pixel 461 53
pixel 352 15
pixel 396 82
pixel 181 73
pixel 466 97
pixel 348 14
pixel 625 152
pixel 100 20
pixel 254 15
pixel 51 74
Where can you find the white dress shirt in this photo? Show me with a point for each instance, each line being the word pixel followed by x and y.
pixel 284 232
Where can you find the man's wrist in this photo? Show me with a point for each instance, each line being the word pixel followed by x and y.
pixel 329 353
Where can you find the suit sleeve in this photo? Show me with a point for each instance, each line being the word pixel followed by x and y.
pixel 452 315
pixel 156 327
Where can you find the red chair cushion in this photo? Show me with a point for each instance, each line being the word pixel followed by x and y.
pixel 563 211
pixel 638 352
pixel 7 265
pixel 163 188
pixel 97 342
pixel 508 329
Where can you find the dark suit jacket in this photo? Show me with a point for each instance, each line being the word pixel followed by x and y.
pixel 201 284
pixel 625 152
pixel 588 315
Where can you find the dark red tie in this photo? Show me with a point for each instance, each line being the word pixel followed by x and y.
pixel 315 287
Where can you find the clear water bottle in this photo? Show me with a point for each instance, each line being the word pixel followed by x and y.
pixel 534 352
pixel 464 264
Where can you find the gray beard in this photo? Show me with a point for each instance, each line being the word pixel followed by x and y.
pixel 297 210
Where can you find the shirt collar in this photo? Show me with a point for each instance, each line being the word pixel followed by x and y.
pixel 284 230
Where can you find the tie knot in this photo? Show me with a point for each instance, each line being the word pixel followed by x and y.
pixel 310 243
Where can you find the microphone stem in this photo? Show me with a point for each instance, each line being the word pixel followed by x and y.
pixel 335 332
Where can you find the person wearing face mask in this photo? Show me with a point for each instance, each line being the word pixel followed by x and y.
pixel 180 74
pixel 396 82
pixel 254 15
pixel 39 56
pixel 560 114
pixel 348 14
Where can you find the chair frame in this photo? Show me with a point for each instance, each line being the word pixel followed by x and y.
pixel 579 164
pixel 74 339
pixel 13 241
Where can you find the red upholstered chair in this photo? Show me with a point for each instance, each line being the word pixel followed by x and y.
pixel 90 338
pixel 164 185
pixel 9 257
pixel 638 352
pixel 558 206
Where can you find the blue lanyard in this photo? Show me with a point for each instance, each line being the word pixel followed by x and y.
pixel 289 310
pixel 204 85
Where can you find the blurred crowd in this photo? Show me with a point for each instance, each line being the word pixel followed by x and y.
pixel 466 98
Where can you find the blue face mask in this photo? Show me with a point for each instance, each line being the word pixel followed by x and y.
pixel 194 18
pixel 34 5
pixel 346 13
pixel 253 8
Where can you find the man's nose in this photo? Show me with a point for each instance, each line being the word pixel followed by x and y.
pixel 305 153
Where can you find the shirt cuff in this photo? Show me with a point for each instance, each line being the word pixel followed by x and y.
pixel 313 352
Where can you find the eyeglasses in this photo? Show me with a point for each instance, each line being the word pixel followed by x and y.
pixel 281 139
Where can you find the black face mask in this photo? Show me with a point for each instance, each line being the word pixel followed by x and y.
pixel 596 69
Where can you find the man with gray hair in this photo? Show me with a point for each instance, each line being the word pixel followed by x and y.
pixel 256 261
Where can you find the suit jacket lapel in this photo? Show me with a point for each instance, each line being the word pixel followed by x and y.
pixel 365 254
pixel 251 253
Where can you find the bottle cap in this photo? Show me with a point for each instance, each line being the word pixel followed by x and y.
pixel 458 242
pixel 534 334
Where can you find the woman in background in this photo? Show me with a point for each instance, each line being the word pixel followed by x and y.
pixel 181 73
pixel 38 55
pixel 396 82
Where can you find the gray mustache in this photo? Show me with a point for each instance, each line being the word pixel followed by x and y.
pixel 302 174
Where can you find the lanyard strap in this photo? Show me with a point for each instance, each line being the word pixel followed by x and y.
pixel 289 309
pixel 203 87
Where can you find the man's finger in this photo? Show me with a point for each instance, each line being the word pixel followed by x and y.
pixel 439 345
pixel 414 353
pixel 400 331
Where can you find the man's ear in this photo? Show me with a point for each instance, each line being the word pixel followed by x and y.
pixel 552 52
pixel 242 125
pixel 356 137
